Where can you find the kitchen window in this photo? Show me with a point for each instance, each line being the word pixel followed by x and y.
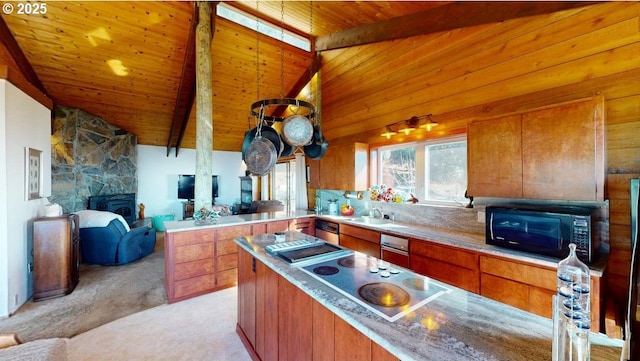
pixel 433 171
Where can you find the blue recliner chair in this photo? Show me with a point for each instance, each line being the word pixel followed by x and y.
pixel 105 238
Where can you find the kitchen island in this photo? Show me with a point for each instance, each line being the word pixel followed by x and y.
pixel 201 257
pixel 285 313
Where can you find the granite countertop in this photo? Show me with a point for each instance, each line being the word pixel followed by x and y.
pixel 456 326
pixel 190 224
pixel 465 240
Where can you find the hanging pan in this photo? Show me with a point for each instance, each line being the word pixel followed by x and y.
pixel 287 149
pixel 297 130
pixel 261 156
pixel 267 133
pixel 318 147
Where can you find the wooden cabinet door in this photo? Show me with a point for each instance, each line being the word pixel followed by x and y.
pixel 350 344
pixel 323 333
pixel 345 167
pixel 295 341
pixel 247 295
pixel 563 153
pixel 314 173
pixel 494 157
pixel 266 313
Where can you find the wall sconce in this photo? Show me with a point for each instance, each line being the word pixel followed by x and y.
pixel 409 125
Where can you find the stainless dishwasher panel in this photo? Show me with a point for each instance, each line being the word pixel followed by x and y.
pixel 328 231
pixel 395 250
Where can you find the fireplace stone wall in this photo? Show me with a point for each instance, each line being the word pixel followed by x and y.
pixel 89 157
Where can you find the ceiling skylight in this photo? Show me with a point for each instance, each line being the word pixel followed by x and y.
pixel 249 21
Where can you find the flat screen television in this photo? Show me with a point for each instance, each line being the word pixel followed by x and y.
pixel 187 185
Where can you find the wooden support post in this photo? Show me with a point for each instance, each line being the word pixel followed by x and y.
pixel 204 109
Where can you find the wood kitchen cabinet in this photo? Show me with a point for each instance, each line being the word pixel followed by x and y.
pixel 278 321
pixel 201 261
pixel 447 264
pixel 530 287
pixel 556 152
pixel 55 256
pixel 303 225
pixel 360 239
pixel 494 156
pixel 344 167
pixel 247 293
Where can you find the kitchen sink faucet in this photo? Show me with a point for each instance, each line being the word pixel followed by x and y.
pixel 373 211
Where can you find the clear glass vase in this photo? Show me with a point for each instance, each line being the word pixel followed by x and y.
pixel 572 306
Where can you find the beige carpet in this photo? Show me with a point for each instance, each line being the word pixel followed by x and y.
pixel 201 328
pixel 104 294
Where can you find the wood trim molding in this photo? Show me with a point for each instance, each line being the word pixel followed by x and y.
pixel 18 56
pixel 23 84
pixel 186 89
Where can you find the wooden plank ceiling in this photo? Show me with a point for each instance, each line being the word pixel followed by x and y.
pixel 130 62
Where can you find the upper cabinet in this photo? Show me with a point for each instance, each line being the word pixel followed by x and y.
pixel 556 152
pixel 344 167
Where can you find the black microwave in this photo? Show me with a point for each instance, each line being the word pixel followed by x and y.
pixel 546 231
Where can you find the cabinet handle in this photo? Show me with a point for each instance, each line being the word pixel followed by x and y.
pixel 253 264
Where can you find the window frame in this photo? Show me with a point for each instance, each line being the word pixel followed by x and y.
pixel 421 166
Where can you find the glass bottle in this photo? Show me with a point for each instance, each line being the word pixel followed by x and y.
pixel 572 317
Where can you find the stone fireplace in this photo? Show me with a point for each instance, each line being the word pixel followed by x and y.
pixel 90 157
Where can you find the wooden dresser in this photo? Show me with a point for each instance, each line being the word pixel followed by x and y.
pixel 56 246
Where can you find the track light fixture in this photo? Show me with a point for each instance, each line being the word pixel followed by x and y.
pixel 409 125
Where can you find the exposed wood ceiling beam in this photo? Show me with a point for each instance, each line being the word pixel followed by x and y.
pixel 300 84
pixel 450 16
pixel 186 89
pixel 21 60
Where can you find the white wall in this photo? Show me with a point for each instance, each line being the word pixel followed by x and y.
pixel 23 123
pixel 158 178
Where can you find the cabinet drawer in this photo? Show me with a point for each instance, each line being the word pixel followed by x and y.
pixel 193 269
pixel 362 233
pixel 461 277
pixel 194 286
pixel 520 272
pixel 446 254
pixel 233 232
pixel 506 291
pixel 191 237
pixel 227 246
pixel 227 261
pixel 227 278
pixel 541 302
pixel 194 252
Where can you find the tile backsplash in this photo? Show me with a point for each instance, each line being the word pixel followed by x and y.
pixel 455 217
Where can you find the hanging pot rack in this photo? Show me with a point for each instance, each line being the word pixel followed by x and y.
pixel 304 108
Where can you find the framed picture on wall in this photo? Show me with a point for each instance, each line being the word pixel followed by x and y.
pixel 33 173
